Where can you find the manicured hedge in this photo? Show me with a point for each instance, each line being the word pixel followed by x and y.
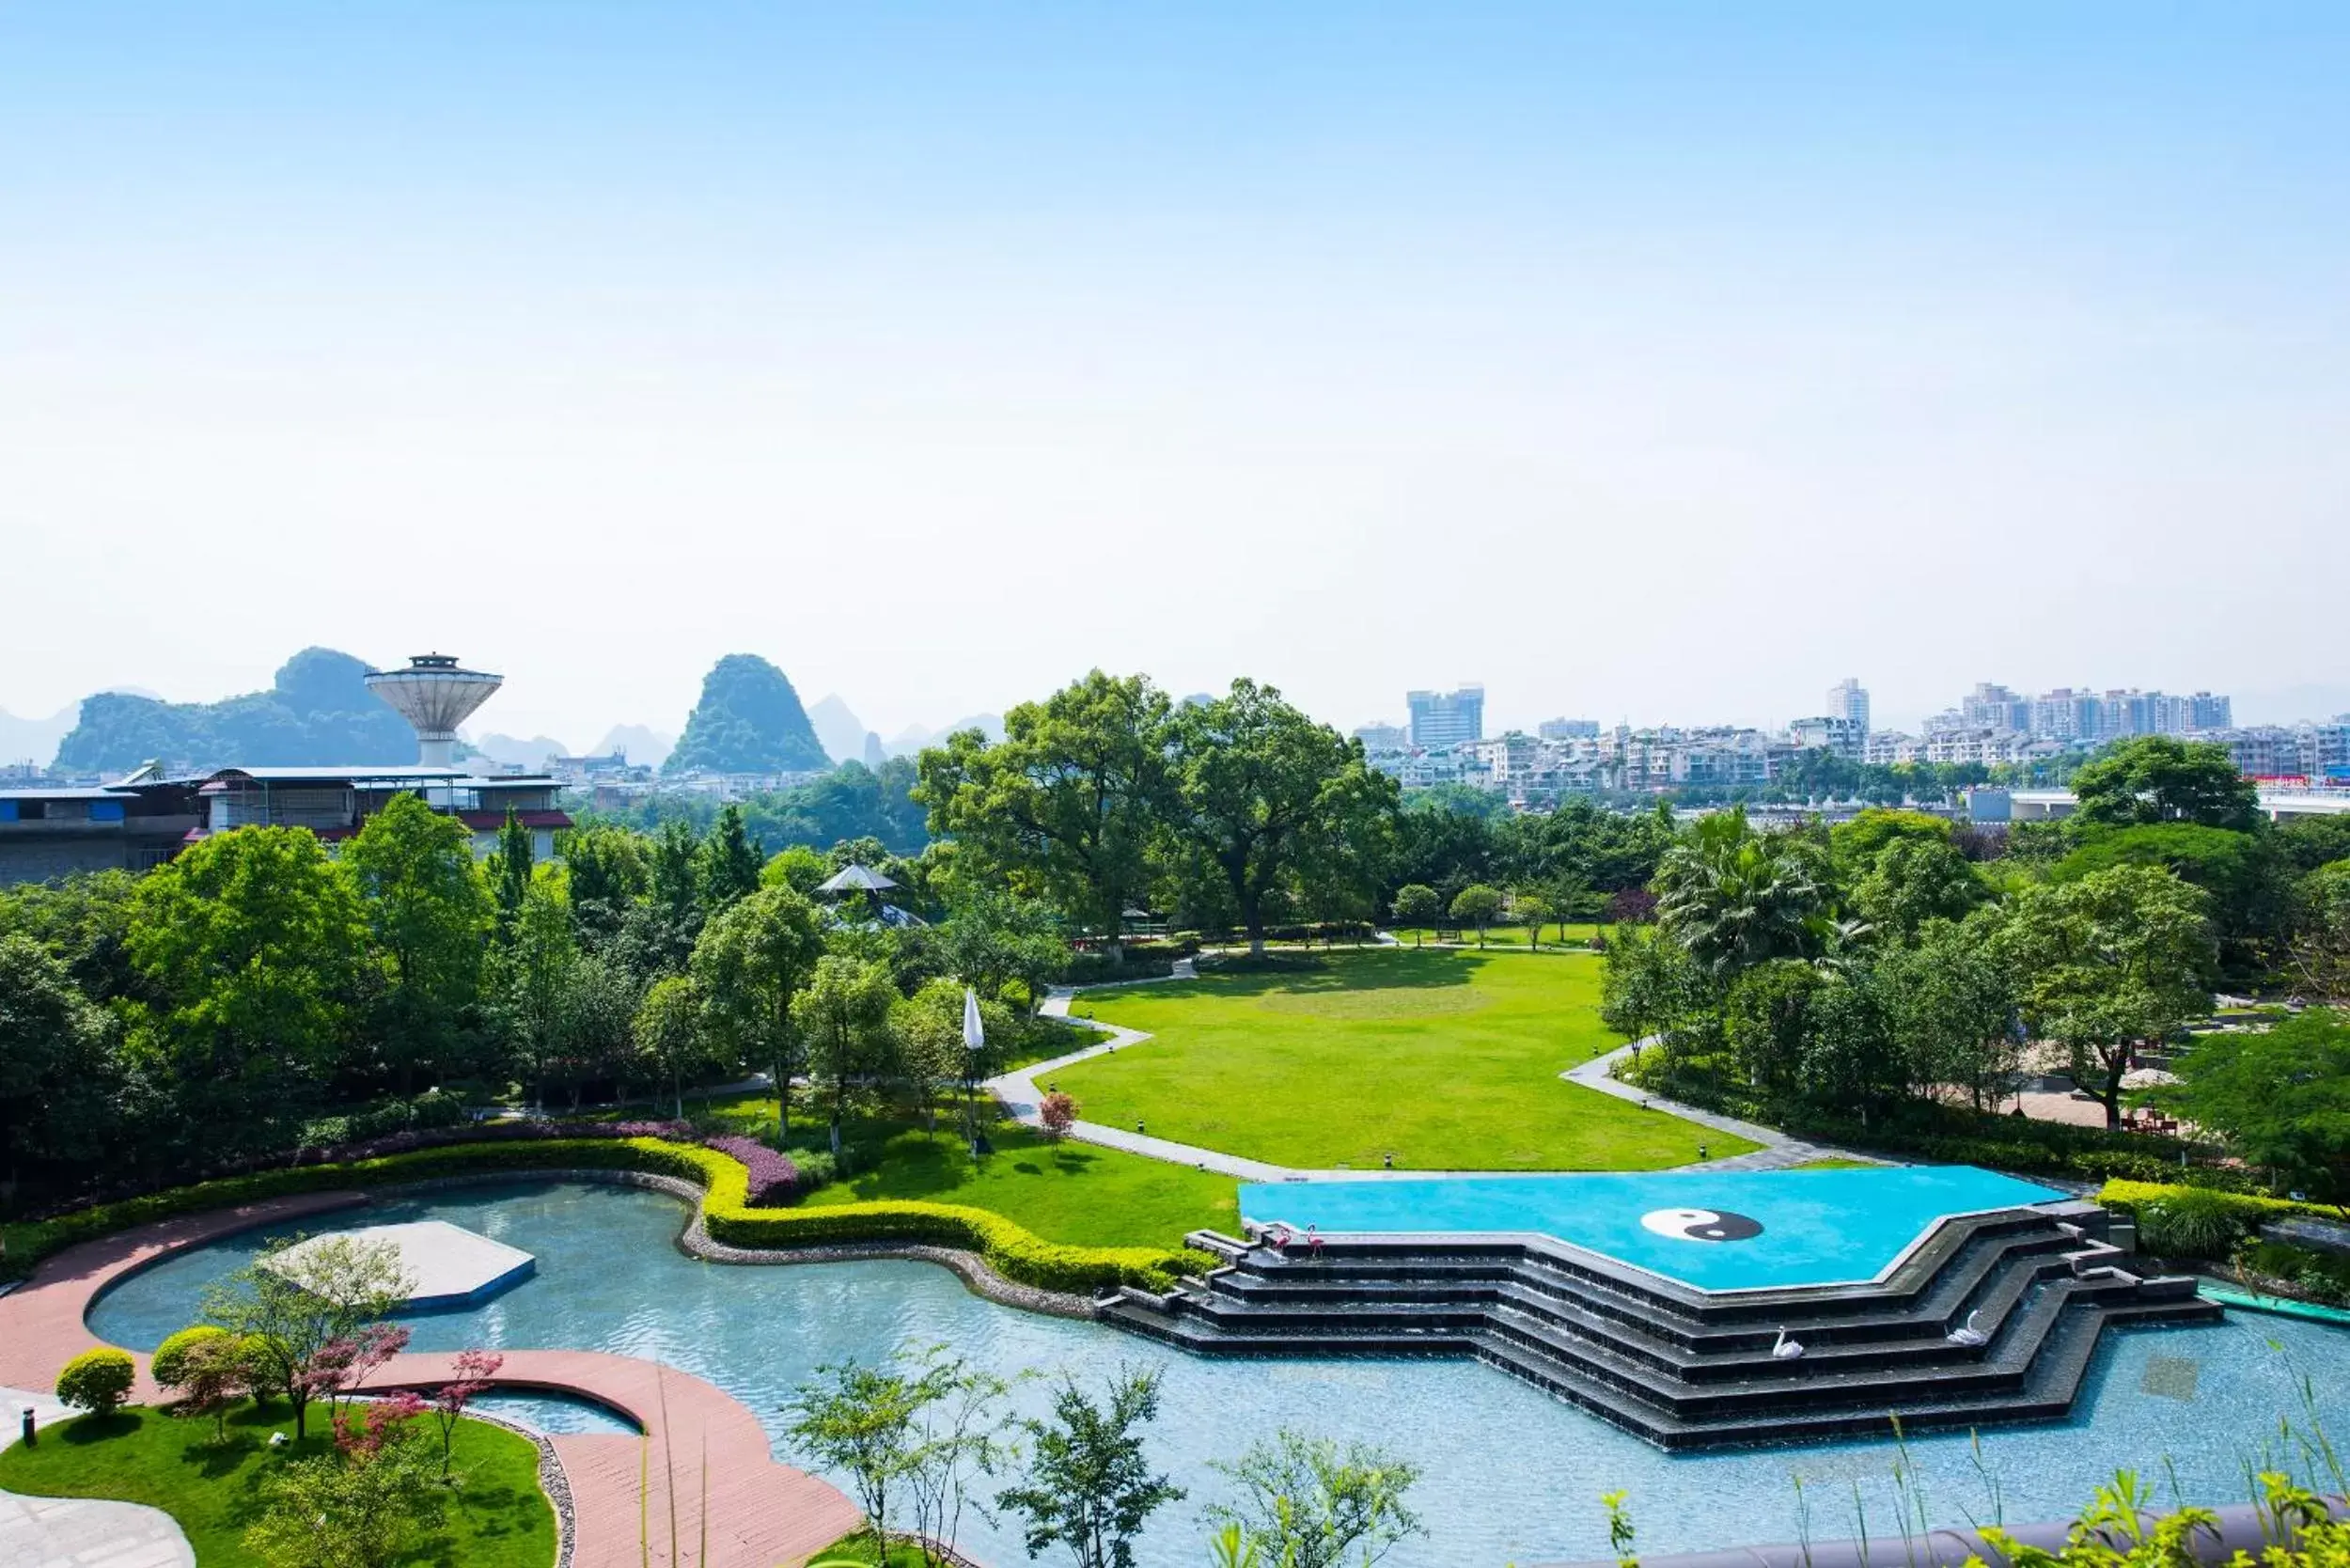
pixel 2248 1208
pixel 1011 1250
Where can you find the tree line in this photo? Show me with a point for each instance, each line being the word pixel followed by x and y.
pixel 1875 967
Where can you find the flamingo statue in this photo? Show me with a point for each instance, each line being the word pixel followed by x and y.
pixel 1969 1335
pixel 1785 1349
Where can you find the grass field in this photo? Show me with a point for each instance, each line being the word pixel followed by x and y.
pixel 1064 1192
pixel 1446 1059
pixel 498 1519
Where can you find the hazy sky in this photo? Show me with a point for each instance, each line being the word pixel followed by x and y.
pixel 1655 361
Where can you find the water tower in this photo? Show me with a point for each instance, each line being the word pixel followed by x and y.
pixel 436 697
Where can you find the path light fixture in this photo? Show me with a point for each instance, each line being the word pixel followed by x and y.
pixel 24 1415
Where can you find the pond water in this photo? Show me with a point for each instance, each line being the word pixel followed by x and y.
pixel 1508 1474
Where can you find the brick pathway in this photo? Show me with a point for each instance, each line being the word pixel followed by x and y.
pixel 760 1513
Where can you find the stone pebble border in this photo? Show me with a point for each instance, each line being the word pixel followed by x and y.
pixel 973 1271
pixel 551 1480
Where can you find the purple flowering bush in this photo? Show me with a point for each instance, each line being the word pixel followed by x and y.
pixel 774 1180
pixel 491 1132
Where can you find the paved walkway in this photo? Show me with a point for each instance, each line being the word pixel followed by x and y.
pixel 761 1514
pixel 1779 1151
pixel 80 1532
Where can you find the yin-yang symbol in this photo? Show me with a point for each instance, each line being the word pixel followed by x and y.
pixel 1705 1225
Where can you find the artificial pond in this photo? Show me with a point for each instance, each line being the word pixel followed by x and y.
pixel 1508 1475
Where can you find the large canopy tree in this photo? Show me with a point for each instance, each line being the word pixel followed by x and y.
pixel 429 914
pixel 1262 794
pixel 2280 1098
pixel 2109 964
pixel 2161 778
pixel 250 946
pixel 55 1060
pixel 752 959
pixel 1066 806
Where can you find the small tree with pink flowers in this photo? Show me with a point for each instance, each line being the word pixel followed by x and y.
pixel 1059 1113
pixel 475 1369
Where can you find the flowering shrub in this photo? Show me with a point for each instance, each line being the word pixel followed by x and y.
pixel 342 1364
pixel 363 1430
pixel 1059 1113
pixel 774 1180
pixel 474 1369
pixel 521 1131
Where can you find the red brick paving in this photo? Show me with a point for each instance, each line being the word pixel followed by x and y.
pixel 698 1440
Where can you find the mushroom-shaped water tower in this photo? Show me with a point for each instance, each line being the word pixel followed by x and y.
pixel 436 697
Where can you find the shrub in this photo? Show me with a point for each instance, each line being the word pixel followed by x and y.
pixel 772 1180
pixel 2244 1210
pixel 96 1380
pixel 1059 1113
pixel 176 1357
pixel 2190 1223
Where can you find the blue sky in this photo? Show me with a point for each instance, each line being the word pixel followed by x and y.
pixel 1663 362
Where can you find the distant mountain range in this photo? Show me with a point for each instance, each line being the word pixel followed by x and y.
pixel 318 710
pixel 643 745
pixel 845 737
pixel 34 740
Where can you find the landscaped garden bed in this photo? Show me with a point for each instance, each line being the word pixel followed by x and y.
pixel 497 1516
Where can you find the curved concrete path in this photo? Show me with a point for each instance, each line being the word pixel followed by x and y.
pixel 1778 1152
pixel 761 1514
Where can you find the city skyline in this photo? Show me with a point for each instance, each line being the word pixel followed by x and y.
pixel 940 355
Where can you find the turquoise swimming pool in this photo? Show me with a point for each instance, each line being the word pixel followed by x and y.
pixel 1721 1231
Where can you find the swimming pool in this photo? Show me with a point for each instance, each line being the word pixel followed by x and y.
pixel 1508 1474
pixel 1718 1231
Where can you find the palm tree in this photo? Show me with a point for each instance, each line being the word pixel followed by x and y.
pixel 1735 898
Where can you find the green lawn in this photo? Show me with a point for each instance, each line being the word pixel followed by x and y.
pixel 1064 1192
pixel 1448 1060
pixel 500 1517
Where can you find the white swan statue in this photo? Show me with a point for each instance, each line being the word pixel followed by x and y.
pixel 1969 1336
pixel 1785 1349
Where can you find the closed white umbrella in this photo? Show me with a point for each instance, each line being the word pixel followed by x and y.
pixel 973 1035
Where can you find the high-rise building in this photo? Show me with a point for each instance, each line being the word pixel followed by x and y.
pixel 1568 729
pixel 1448 718
pixel 1849 699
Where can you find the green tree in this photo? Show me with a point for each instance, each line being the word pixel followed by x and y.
pixel 249 945
pixel 2109 964
pixel 728 863
pixel 1089 1486
pixel 668 1034
pixel 1953 1004
pixel 2321 931
pixel 428 913
pixel 2250 893
pixel 750 963
pixel 1476 905
pixel 930 1045
pixel 509 872
pixel 2279 1097
pixel 798 866
pixel 290 1305
pixel 1416 906
pixel 609 872
pixel 1532 909
pixel 1650 984
pixel 57 1068
pixel 1736 898
pixel 1067 806
pixel 84 921
pixel 1261 791
pixel 595 1024
pixel 992 939
pixel 1857 843
pixel 2161 778
pixel 843 1014
pixel 1767 1021
pixel 862 1421
pixel 370 1508
pixel 532 978
pixel 1913 880
pixel 1310 1503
